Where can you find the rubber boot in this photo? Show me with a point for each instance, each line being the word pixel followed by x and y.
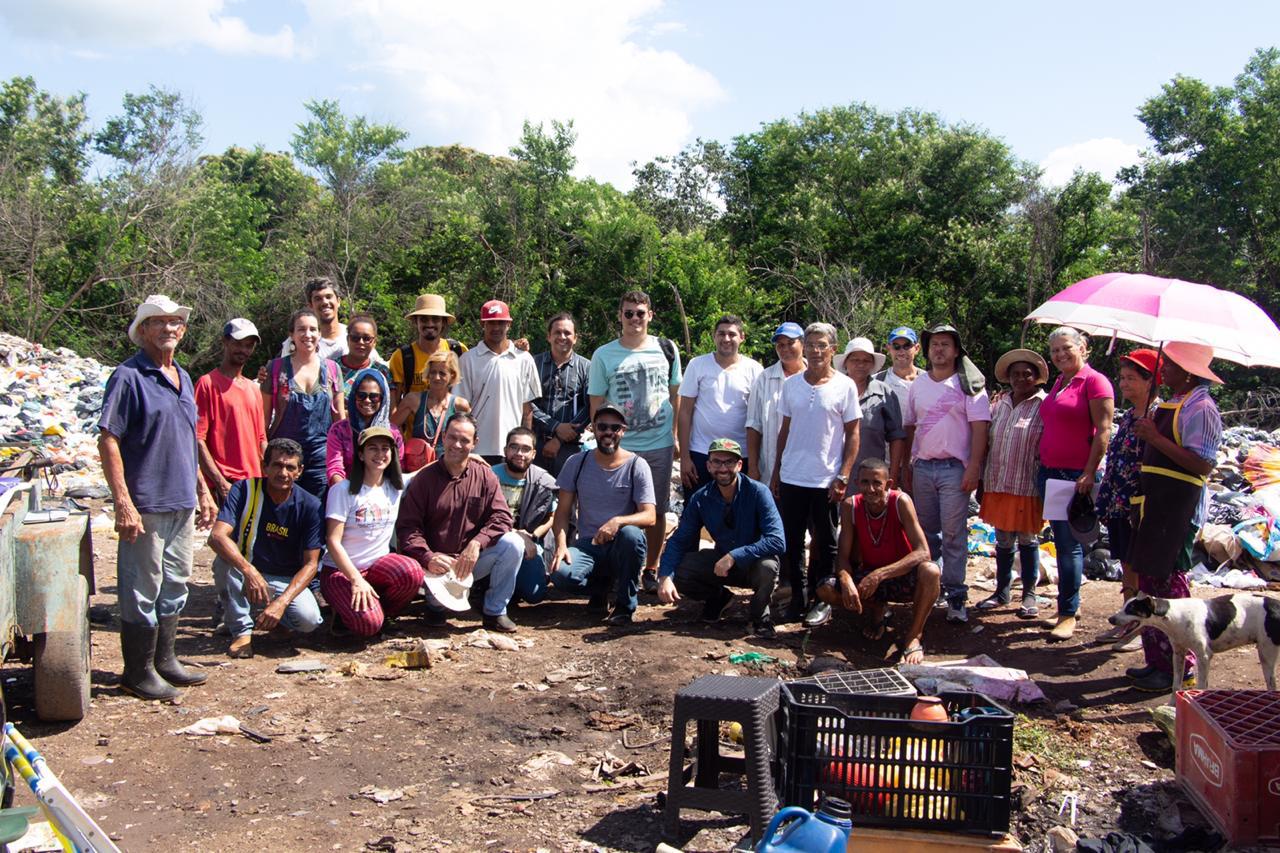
pixel 138 648
pixel 1029 560
pixel 1004 574
pixel 167 664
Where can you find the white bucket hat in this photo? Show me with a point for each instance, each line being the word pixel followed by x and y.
pixel 861 345
pixel 449 591
pixel 156 306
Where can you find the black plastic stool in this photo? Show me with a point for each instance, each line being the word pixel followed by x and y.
pixel 752 702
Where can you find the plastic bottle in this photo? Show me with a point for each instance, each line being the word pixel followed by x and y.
pixel 824 832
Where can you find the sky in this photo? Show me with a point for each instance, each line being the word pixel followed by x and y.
pixel 1060 83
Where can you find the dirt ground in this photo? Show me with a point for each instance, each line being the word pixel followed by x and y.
pixel 502 750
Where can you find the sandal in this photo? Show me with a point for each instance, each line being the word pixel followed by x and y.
pixel 991 602
pixel 1030 608
pixel 916 648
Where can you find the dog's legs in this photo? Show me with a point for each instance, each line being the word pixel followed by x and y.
pixel 1267 657
pixel 1202 669
pixel 1179 667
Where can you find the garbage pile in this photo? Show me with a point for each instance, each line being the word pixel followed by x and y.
pixel 50 400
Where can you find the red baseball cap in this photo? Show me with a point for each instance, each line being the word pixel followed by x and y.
pixel 494 309
pixel 1144 358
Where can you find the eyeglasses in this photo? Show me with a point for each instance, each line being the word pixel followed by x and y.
pixel 817 347
pixel 371 396
pixel 360 339
pixel 902 346
pixel 167 322
pixel 606 428
pixel 632 313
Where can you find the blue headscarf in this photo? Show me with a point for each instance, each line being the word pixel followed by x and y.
pixel 381 418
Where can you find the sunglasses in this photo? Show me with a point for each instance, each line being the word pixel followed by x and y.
pixel 632 313
pixel 361 339
pixel 902 346
pixel 371 396
pixel 610 428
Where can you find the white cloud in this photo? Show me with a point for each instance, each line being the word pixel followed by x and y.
pixel 473 72
pixel 134 24
pixel 1105 156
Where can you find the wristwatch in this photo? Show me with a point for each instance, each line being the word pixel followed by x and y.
pixel 842 479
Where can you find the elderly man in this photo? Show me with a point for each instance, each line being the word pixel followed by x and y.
pixel 147 442
pixel 408 364
pixel 453 518
pixel 883 558
pixel 229 422
pixel 763 420
pixel 500 381
pixel 714 394
pixel 266 543
pixel 743 521
pixel 613 490
pixel 564 409
pixel 817 444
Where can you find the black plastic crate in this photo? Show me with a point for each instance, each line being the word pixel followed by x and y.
pixel 894 771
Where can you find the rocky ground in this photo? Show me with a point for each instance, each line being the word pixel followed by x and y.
pixel 560 745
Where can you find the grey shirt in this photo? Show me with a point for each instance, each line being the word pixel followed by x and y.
pixel 604 494
pixel 881 422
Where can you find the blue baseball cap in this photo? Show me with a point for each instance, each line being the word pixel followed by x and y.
pixel 904 332
pixel 791 330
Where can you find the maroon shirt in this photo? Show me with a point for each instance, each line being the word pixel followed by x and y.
pixel 442 513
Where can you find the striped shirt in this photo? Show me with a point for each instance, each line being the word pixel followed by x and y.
pixel 1015 446
pixel 1199 428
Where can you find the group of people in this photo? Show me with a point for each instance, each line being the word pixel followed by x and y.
pixel 485 474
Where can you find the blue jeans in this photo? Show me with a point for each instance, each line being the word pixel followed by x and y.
pixel 532 582
pixel 153 570
pixel 302 615
pixel 591 567
pixel 500 563
pixel 1070 553
pixel 942 505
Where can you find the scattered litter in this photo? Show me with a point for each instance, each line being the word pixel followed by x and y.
pixel 980 673
pixel 611 721
pixel 353 667
pixel 227 725
pixel 524 685
pixel 278 694
pixel 982 538
pixel 539 764
pixel 382 796
pixel 1229 579
pixel 304 665
pixel 752 658
pixel 482 639
pixel 412 659
pixel 608 766
pixel 566 673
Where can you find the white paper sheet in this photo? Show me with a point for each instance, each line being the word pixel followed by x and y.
pixel 1057 497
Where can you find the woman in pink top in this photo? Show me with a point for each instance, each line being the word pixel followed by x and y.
pixel 1077 424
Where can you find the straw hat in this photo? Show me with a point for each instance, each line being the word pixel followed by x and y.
pixel 429 305
pixel 1014 356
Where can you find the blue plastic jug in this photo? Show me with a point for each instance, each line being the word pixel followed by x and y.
pixel 824 832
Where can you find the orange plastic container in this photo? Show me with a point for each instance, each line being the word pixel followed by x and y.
pixel 1229 760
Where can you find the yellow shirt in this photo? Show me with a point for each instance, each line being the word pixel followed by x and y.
pixel 419 362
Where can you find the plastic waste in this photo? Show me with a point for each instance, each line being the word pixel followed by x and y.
pixel 805 832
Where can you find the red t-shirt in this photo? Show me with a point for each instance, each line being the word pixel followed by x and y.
pixel 229 420
pixel 1068 425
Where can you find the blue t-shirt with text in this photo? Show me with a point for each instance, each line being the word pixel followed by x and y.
pixel 285 531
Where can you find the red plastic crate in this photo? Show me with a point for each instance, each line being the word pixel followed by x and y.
pixel 1229 760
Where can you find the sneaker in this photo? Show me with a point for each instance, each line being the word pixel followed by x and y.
pixel 991 602
pixel 1156 681
pixel 649 581
pixel 941 603
pixel 619 619
pixel 501 623
pixel 1030 608
pixel 714 606
pixel 819 614
pixel 1139 671
pixel 957 613
pixel 435 618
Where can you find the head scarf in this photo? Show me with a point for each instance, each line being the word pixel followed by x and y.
pixel 382 417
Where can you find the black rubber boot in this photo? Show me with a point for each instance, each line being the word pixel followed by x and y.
pixel 167 664
pixel 138 648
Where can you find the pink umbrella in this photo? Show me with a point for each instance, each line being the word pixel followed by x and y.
pixel 1155 311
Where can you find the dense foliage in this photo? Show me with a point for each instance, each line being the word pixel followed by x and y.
pixel 863 218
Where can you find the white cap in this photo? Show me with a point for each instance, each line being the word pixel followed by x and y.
pixel 239 329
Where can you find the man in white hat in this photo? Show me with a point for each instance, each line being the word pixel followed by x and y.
pixel 431 321
pixel 229 423
pixel 147 442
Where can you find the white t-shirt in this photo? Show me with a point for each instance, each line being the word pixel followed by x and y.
pixel 720 398
pixel 369 518
pixel 815 443
pixel 497 386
